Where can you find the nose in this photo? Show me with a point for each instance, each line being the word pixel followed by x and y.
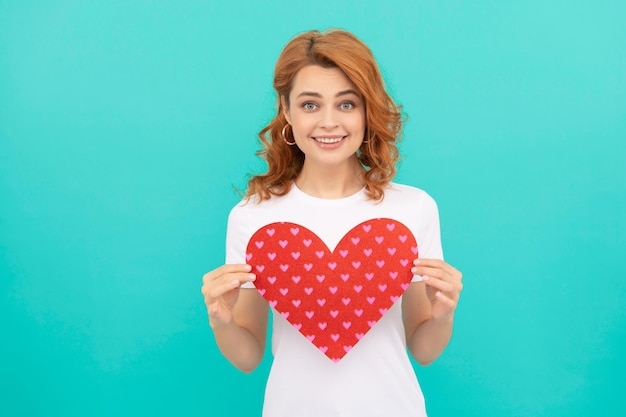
pixel 329 118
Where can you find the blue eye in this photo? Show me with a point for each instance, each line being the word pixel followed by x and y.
pixel 309 106
pixel 347 105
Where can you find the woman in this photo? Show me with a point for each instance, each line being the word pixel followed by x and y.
pixel 331 154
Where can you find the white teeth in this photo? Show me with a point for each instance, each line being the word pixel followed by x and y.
pixel 329 140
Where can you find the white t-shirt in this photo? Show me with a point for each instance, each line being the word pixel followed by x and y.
pixel 376 377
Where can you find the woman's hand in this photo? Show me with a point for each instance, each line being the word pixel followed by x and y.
pixel 443 286
pixel 220 288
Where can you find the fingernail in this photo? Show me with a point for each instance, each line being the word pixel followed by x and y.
pixel 425 278
pixel 439 294
pixel 414 270
pixel 252 276
pixel 416 262
pixel 234 283
pixel 247 268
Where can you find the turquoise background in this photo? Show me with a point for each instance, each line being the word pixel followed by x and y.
pixel 124 126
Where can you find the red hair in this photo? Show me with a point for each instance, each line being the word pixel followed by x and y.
pixel 383 118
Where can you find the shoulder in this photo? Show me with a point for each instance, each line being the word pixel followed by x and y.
pixel 244 219
pixel 254 210
pixel 409 194
pixel 422 216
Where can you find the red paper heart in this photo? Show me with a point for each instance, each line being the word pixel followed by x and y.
pixel 333 297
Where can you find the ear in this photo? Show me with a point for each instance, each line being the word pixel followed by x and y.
pixel 283 105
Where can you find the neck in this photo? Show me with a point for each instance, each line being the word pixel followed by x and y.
pixel 331 182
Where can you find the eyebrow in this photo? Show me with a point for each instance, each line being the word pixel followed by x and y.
pixel 318 95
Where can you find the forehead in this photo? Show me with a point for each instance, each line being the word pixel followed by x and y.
pixel 324 81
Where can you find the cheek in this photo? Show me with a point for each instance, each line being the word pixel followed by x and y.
pixel 358 123
pixel 302 125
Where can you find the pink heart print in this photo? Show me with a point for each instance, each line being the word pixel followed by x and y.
pixel 333 297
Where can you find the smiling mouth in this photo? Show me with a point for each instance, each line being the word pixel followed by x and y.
pixel 333 139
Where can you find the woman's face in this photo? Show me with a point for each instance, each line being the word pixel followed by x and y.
pixel 327 116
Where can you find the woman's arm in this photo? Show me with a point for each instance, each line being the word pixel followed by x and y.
pixel 428 309
pixel 238 316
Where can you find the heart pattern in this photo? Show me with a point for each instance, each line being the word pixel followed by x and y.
pixel 333 297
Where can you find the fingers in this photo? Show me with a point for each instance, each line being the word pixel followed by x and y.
pixel 225 269
pixel 437 264
pixel 443 277
pixel 224 279
pixel 437 268
pixel 228 283
pixel 451 288
pixel 220 290
pixel 447 313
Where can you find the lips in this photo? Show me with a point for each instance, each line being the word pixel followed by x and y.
pixel 329 139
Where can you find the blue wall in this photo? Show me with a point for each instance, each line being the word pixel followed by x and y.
pixel 124 126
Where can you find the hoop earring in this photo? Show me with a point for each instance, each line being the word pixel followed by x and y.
pixel 285 138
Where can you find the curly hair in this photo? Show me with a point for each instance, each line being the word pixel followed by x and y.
pixel 383 118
